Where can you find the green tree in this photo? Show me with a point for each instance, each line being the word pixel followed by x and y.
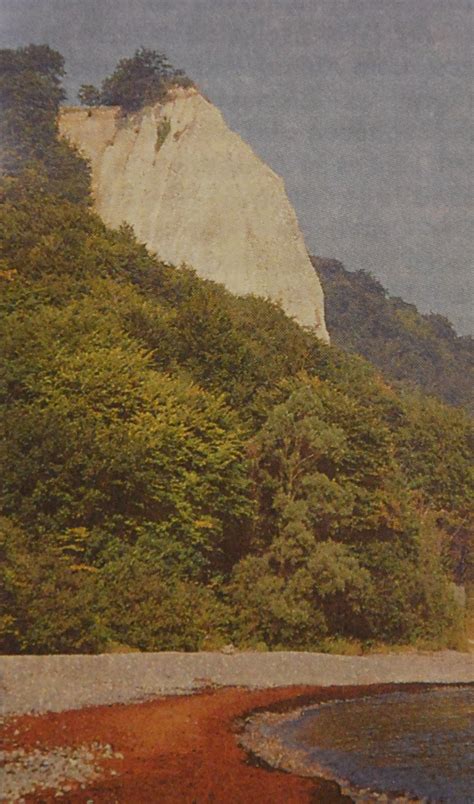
pixel 435 446
pixel 93 437
pixel 339 547
pixel 138 81
pixel 30 94
pixel 47 604
pixel 421 351
pixel 325 458
pixel 89 95
pixel 298 592
pixel 145 606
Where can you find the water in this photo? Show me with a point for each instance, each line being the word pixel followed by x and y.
pixel 419 744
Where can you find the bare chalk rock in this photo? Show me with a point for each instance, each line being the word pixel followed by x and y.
pixel 195 193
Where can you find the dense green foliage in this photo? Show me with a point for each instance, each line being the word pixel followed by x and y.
pixel 30 94
pixel 181 467
pixel 143 79
pixel 421 351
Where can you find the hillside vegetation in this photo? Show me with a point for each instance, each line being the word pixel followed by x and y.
pixel 420 351
pixel 182 468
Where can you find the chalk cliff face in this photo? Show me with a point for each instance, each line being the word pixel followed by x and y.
pixel 196 193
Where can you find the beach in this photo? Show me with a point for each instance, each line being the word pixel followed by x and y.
pixel 68 719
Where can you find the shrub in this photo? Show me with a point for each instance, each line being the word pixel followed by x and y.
pixel 47 603
pixel 145 606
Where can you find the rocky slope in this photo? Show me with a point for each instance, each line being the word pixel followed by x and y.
pixel 195 193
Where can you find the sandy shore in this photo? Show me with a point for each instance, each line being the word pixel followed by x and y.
pixel 56 683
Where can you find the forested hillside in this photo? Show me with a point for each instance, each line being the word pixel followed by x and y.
pixel 420 351
pixel 182 468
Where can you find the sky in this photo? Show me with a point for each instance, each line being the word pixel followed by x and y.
pixel 362 106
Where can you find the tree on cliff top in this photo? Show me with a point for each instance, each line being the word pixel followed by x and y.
pixel 136 82
pixel 30 95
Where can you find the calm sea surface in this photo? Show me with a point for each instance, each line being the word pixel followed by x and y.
pixel 422 744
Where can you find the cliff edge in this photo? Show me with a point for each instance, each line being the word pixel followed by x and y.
pixel 195 193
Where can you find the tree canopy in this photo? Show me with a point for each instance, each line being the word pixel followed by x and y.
pixel 138 81
pixel 419 351
pixel 30 95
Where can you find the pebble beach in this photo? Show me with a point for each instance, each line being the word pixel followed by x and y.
pixel 165 727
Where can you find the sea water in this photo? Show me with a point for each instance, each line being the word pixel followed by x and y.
pixel 421 744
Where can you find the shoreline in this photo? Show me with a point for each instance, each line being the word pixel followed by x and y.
pixel 174 749
pixel 180 743
pixel 270 749
pixel 188 748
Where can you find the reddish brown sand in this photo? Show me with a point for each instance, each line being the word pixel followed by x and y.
pixel 180 749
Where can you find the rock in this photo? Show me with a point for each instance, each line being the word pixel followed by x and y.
pixel 60 768
pixel 196 193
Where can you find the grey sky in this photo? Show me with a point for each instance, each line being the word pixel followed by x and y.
pixel 363 106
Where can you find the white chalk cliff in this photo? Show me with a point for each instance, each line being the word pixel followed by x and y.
pixel 195 193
